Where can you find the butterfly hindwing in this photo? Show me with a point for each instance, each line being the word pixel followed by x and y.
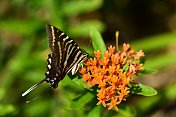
pixel 53 76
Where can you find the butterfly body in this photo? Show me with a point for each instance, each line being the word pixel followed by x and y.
pixel 66 56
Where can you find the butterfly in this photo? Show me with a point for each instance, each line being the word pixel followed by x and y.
pixel 65 56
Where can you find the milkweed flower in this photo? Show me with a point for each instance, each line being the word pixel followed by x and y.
pixel 112 73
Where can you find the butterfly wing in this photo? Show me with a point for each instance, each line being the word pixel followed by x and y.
pixel 68 54
pixel 54 44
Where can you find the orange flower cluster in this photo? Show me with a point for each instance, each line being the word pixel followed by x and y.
pixel 112 73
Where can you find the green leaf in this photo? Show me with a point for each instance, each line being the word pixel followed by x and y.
pixel 138 88
pixel 169 91
pixel 126 110
pixel 161 61
pixel 89 50
pixel 125 68
pixel 82 29
pixel 24 27
pixel 155 42
pixel 148 70
pixel 79 102
pixel 95 112
pixel 80 82
pixel 68 82
pixel 78 7
pixel 40 105
pixel 97 40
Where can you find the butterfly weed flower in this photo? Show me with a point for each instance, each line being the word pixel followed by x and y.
pixel 112 73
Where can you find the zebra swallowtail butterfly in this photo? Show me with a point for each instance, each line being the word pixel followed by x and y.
pixel 65 56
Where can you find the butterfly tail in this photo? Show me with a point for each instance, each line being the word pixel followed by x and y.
pixel 33 87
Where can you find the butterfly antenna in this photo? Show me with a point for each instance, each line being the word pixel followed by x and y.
pixel 32 88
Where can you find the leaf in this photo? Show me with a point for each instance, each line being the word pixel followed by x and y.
pixel 40 105
pixel 169 91
pixel 125 68
pixel 126 110
pixel 155 42
pixel 95 112
pixel 148 71
pixel 161 61
pixel 97 40
pixel 68 82
pixel 79 102
pixel 24 27
pixel 78 7
pixel 82 29
pixel 138 88
pixel 80 82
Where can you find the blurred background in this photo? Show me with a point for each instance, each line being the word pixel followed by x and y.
pixel 149 25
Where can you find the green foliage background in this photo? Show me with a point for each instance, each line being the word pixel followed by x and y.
pixel 24 49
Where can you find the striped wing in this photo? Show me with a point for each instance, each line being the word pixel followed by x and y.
pixel 68 54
